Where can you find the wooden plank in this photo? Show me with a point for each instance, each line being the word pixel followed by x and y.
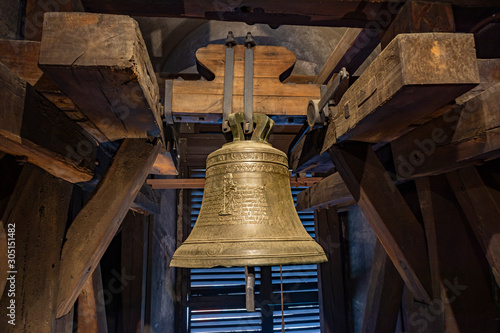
pixel 384 295
pixel 415 75
pixel 420 16
pixel 271 96
pixel 91 307
pixel 101 63
pixel 467 133
pixel 387 212
pixel 31 126
pixel 95 226
pixel 134 263
pixel 333 298
pixel 351 51
pixel 461 283
pixel 480 203
pixel 196 183
pixel 38 211
pixel 330 191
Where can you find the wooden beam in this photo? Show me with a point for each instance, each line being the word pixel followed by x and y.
pixel 31 126
pixel 65 324
pixel 330 191
pixel 101 63
pixel 134 263
pixel 91 307
pixel 38 211
pixel 332 275
pixel 384 295
pixel 460 275
pixel 195 183
pixel 387 212
pixel 480 202
pixel 415 75
pixel 95 226
pixel 467 133
pixel 418 17
pixel 307 154
pixel 351 51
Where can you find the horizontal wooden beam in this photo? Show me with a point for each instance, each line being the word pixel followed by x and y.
pixel 415 75
pixel 96 224
pixel 34 129
pixel 197 183
pixel 330 191
pixel 102 64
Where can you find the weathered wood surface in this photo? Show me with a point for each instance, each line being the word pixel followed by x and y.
pixel 65 324
pixel 420 16
pixel 387 212
pixel 415 75
pixel 38 210
pixel 460 274
pixel 467 133
pixel 330 191
pixel 480 202
pixel 271 97
pixel 384 295
pixel 31 126
pixel 91 309
pixel 333 292
pixel 95 226
pixel 307 154
pixel 101 63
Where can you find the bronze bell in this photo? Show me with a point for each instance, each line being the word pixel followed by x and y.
pixel 247 216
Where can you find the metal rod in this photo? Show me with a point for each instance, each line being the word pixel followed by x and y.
pixel 282 305
pixel 250 288
pixel 227 104
pixel 248 85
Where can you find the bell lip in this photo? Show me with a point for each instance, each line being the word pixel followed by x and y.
pixel 203 262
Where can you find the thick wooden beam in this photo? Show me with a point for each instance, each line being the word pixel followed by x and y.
pixel 36 216
pixel 32 127
pixel 91 307
pixel 462 295
pixel 65 324
pixel 95 226
pixel 387 212
pixel 307 154
pixel 333 298
pixel 420 16
pixel 415 75
pixel 467 133
pixel 101 63
pixel 330 191
pixel 480 202
pixel 384 295
pixel 134 263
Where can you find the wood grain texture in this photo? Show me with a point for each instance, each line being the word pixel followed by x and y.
pixel 415 75
pixel 38 210
pixel 31 126
pixel 330 191
pixel 102 64
pixel 91 306
pixel 97 223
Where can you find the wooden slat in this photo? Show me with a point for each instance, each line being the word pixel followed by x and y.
pixel 388 214
pixel 333 298
pixel 101 63
pixel 384 295
pixel 460 274
pixel 195 183
pixel 91 306
pixel 467 133
pixel 31 126
pixel 38 210
pixel 330 191
pixel 481 204
pixel 96 224
pixel 415 75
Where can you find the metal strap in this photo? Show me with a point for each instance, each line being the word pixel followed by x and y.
pixel 227 105
pixel 169 119
pixel 248 94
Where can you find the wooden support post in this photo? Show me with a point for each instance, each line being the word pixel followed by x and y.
pixel 65 324
pixel 101 63
pixel 134 263
pixel 95 226
pixel 32 127
pixel 387 212
pixel 462 296
pixel 480 202
pixel 384 295
pixel 36 219
pixel 419 17
pixel 330 191
pixel 91 307
pixel 334 304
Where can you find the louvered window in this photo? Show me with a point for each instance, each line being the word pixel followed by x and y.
pixel 216 297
